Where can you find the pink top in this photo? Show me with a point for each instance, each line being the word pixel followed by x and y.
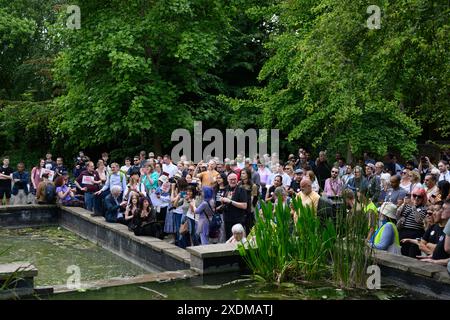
pixel 333 187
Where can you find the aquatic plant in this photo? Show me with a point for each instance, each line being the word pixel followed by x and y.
pixel 312 248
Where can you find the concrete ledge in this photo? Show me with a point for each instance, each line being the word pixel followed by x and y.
pixel 216 258
pixel 115 237
pixel 408 264
pixel 18 279
pixel 414 275
pixel 23 270
pixel 156 277
pixel 28 216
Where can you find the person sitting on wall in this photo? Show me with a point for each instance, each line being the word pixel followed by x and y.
pixel 441 253
pixel 428 242
pixel 386 237
pixel 144 221
pixel 115 207
pixel 238 234
pixel 66 194
pixel 46 191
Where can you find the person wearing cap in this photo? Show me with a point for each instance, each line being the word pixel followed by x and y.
pixel 294 188
pixel 386 237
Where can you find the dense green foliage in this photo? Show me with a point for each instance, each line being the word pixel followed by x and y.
pixel 332 82
pixel 136 70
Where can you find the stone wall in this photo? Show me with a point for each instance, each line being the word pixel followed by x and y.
pixel 28 216
pixel 141 250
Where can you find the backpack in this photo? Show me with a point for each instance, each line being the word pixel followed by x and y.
pixel 50 193
pixel 214 224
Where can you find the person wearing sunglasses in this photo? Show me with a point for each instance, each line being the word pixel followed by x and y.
pixel 333 185
pixel 411 221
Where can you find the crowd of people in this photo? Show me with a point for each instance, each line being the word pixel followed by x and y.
pixel 217 201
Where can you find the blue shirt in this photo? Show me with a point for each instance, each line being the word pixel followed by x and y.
pixel 395 195
pixel 115 179
pixel 387 238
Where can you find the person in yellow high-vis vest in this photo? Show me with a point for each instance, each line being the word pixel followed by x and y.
pixel 372 214
pixel 386 237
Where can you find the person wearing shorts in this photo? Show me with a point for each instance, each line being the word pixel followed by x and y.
pixel 5 181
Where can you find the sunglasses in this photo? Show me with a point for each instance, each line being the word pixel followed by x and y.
pixel 404 172
pixel 417 196
pixel 334 172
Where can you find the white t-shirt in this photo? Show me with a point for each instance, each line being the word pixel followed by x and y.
pixel 171 169
pixel 445 176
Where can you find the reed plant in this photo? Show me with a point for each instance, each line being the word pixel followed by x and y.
pixel 350 254
pixel 283 250
pixel 310 249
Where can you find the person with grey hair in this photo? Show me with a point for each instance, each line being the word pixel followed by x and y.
pixel 238 234
pixel 281 192
pixel 358 184
pixel 115 207
pixel 116 178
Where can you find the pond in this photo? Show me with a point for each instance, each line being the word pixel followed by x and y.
pixel 232 287
pixel 53 249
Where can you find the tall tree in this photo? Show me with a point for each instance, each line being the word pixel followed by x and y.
pixel 333 82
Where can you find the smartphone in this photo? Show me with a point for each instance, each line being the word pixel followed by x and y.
pixel 183 194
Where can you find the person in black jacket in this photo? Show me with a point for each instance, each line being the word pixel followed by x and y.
pixel 115 207
pixel 322 170
pixel 144 221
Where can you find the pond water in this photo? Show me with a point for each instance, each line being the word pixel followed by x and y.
pixel 53 249
pixel 232 287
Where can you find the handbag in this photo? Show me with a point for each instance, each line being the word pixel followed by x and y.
pixel 401 220
pixel 184 227
pixel 214 223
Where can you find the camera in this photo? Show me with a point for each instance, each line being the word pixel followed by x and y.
pixel 172 180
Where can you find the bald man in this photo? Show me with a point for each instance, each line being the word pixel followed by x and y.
pixel 235 205
pixel 308 196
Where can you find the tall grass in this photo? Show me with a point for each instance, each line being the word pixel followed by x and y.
pixel 285 250
pixel 350 255
pixel 309 249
